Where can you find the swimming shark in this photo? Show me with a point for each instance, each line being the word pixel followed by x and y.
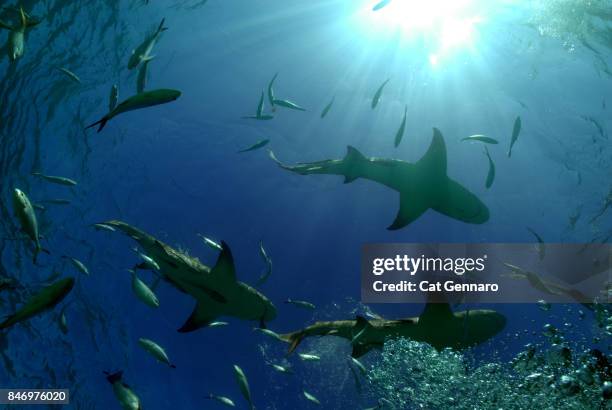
pixel 423 185
pixel 216 290
pixel 438 326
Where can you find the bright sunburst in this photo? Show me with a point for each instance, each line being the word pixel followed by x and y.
pixel 442 25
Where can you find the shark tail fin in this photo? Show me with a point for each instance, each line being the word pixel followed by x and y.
pixel 161 27
pixel 101 123
pixel 294 340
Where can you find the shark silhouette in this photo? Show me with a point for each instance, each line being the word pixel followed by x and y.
pixel 423 185
pixel 437 326
pixel 215 289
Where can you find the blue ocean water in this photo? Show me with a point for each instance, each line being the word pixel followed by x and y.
pixel 173 170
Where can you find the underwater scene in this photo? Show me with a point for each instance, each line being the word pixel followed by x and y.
pixel 188 187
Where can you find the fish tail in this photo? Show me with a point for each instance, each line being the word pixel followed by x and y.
pixel 101 123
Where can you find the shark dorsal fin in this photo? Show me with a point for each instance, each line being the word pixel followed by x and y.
pixel 352 157
pixel 361 323
pixel 224 268
pixel 434 160
pixel 436 309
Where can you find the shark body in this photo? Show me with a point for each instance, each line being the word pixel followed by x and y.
pixel 423 185
pixel 438 326
pixel 216 290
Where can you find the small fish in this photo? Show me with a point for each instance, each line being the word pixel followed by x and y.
pixel 55 179
pixel 543 305
pixel 264 277
pixel 516 130
pixel 156 351
pixel 269 333
pixel 136 102
pixel 143 51
pixel 311 398
pixel 378 93
pixel 217 324
pixel 113 97
pixel 16 39
pixel 221 399
pixel 40 302
pixel 289 104
pixel 301 303
pixel 39 207
pixel 141 81
pixel 491 173
pixel 63 322
pixel 271 92
pixel 103 227
pixel 243 384
pixel 380 5
pixel 148 263
pixel 309 357
pixel 359 365
pixel 27 219
pixel 259 115
pixel 212 244
pixel 327 107
pixel 78 265
pixel 143 292
pixel 257 145
pixel 541 246
pixel 124 394
pixel 281 369
pixel 400 132
pixel 481 138
pixel 70 75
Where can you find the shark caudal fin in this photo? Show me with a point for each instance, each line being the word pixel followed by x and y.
pixel 294 340
pixel 101 123
pixel 161 27
pixel 443 195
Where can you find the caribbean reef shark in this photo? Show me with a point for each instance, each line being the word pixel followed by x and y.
pixel 215 289
pixel 423 185
pixel 437 325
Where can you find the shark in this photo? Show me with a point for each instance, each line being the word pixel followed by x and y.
pixel 216 290
pixel 437 325
pixel 421 186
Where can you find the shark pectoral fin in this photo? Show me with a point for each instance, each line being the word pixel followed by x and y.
pixel 457 202
pixel 410 209
pixel 224 268
pixel 200 317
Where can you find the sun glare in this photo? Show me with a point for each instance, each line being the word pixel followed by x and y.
pixel 442 25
